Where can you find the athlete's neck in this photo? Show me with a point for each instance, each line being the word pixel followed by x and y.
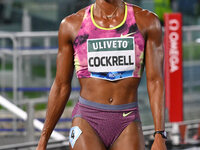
pixel 114 2
pixel 104 8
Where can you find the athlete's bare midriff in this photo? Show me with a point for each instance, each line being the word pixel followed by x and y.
pixel 106 92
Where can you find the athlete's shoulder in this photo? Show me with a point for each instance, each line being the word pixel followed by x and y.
pixel 145 15
pixel 71 24
pixel 146 20
pixel 74 19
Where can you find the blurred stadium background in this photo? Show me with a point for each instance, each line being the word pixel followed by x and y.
pixel 28 47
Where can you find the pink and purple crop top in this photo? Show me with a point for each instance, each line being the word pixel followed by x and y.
pixel 109 53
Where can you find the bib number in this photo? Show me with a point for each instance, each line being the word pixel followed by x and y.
pixel 111 54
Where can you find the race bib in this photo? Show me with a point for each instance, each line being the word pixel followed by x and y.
pixel 74 134
pixel 111 55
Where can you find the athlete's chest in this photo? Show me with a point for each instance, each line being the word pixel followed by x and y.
pixel 109 53
pixel 115 42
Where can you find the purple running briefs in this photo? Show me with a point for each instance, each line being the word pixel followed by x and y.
pixel 108 121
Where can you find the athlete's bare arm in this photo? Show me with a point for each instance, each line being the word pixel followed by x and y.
pixel 149 24
pixel 61 87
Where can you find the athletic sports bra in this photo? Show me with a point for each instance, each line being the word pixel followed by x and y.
pixel 109 53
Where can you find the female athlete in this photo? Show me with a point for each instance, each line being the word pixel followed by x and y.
pixel 108 43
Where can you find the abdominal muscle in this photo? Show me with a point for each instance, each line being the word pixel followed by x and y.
pixel 107 92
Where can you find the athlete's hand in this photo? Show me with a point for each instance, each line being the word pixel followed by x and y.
pixel 159 143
